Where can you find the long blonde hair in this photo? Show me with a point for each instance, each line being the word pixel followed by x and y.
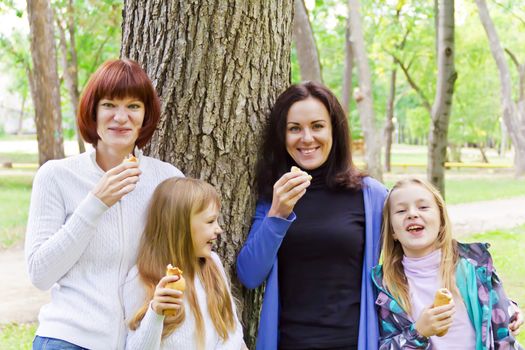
pixel 394 278
pixel 167 239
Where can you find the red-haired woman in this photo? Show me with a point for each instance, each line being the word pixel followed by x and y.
pixel 87 212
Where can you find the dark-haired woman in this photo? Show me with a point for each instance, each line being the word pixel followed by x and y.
pixel 87 212
pixel 315 234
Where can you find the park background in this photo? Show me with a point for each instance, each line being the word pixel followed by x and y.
pixel 227 62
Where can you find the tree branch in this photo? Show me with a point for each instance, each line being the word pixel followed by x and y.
pixel 412 83
pixel 513 58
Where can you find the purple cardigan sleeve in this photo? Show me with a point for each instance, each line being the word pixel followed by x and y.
pixel 259 253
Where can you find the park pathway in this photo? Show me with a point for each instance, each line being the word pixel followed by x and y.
pixel 20 301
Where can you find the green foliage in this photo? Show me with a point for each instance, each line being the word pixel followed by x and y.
pixel 16 62
pixel 17 336
pixel 476 107
pixel 97 36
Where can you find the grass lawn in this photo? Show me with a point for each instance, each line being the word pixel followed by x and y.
pixel 17 336
pixel 466 189
pixel 15 192
pixel 482 189
pixel 18 157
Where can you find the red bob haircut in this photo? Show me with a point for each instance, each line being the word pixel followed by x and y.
pixel 118 79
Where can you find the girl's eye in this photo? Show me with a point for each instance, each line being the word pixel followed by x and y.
pixel 107 105
pixel 318 126
pixel 400 211
pixel 134 106
pixel 294 129
pixel 423 207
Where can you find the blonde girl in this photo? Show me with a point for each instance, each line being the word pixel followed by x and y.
pixel 419 256
pixel 181 226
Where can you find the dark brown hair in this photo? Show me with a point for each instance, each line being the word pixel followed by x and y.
pixel 118 79
pixel 274 160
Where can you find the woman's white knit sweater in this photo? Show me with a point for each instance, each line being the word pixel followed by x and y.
pixel 148 335
pixel 83 250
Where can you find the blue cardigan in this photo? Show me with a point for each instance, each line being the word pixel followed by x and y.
pixel 257 262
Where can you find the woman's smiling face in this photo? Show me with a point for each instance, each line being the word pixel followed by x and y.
pixel 119 122
pixel 308 133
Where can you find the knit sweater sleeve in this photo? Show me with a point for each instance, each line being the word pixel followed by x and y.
pixel 148 334
pixel 55 242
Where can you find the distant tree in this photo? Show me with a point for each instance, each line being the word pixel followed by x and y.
pixel 363 95
pixel 348 66
pixel 513 112
pixel 303 36
pixel 218 68
pixel 442 107
pixel 65 23
pixel 389 122
pixel 16 61
pixel 45 84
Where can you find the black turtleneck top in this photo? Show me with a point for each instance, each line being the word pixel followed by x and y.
pixel 320 269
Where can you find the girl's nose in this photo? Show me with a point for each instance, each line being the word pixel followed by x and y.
pixel 412 213
pixel 219 230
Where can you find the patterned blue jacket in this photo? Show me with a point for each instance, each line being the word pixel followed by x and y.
pixel 488 307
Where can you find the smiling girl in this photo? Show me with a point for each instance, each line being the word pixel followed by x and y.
pixel 419 257
pixel 180 230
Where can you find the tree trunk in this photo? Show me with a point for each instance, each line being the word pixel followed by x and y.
pixel 504 135
pixel 21 116
pixel 511 112
pixel 364 95
pixel 442 107
pixel 389 123
pixel 70 65
pixel 46 96
pixel 218 67
pixel 349 65
pixel 303 36
pixel 484 158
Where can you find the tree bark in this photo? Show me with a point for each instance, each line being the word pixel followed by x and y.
pixel 46 89
pixel 218 67
pixel 513 116
pixel 364 95
pixel 304 39
pixel 442 107
pixel 69 62
pixel 349 66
